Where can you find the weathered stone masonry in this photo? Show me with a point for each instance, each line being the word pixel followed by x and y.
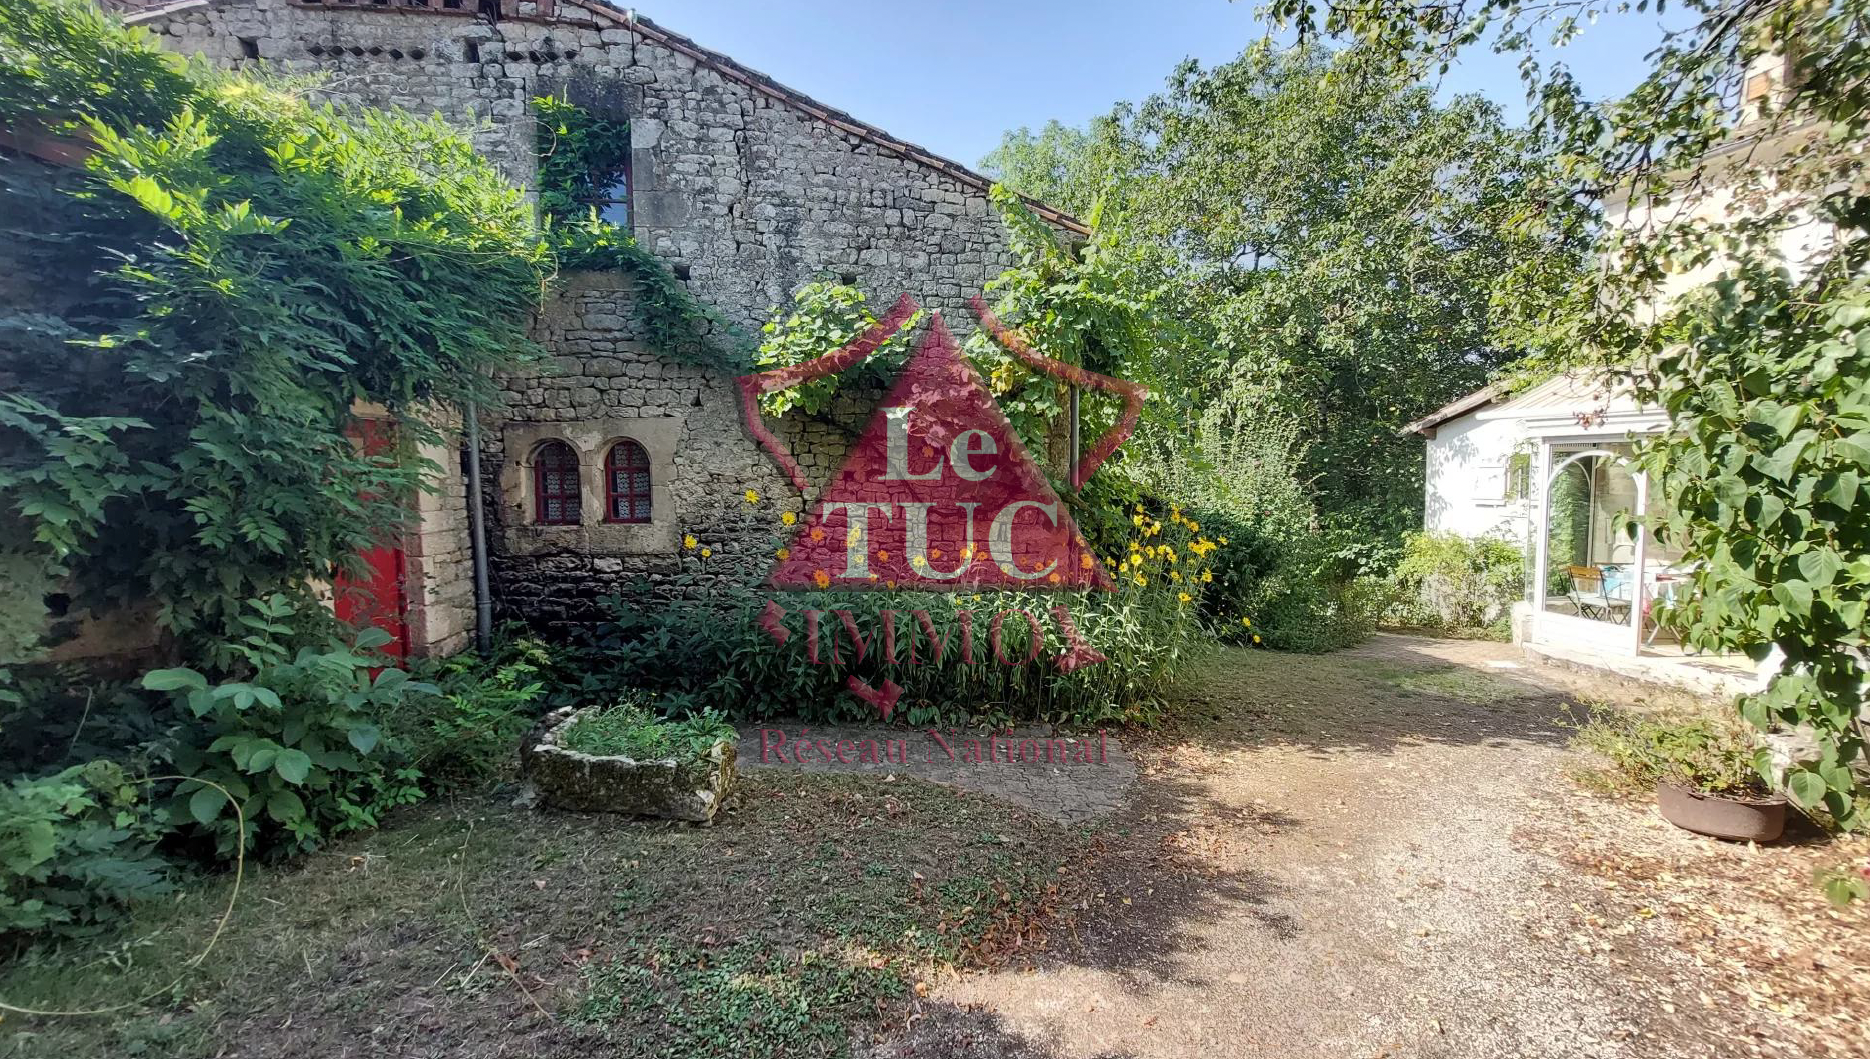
pixel 746 188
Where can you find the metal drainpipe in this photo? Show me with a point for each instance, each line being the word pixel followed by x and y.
pixel 477 536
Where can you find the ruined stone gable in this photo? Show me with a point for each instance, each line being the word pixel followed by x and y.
pixel 745 188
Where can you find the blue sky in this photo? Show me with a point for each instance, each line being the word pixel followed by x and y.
pixel 951 76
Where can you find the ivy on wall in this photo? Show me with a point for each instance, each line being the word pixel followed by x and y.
pixel 582 155
pixel 189 320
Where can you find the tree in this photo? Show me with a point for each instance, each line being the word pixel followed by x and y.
pixel 1327 230
pixel 1764 364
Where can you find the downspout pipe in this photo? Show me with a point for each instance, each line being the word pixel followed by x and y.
pixel 477 535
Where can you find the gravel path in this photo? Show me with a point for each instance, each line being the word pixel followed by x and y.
pixel 1330 864
pixel 1066 778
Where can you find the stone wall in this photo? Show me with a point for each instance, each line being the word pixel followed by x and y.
pixel 746 189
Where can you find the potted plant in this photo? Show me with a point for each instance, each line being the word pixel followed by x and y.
pixel 1702 771
pixel 624 759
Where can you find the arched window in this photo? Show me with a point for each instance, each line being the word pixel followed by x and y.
pixel 626 484
pixel 555 485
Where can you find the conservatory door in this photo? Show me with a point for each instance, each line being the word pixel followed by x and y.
pixel 1591 550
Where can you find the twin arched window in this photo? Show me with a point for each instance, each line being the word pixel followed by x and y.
pixel 556 489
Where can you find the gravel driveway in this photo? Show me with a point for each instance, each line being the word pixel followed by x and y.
pixel 1353 855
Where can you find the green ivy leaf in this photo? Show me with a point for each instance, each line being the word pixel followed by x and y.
pixel 364 737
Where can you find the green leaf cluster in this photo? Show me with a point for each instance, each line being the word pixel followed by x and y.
pixel 194 316
pixel 824 318
pixel 297 744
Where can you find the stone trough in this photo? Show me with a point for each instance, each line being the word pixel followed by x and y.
pixel 681 789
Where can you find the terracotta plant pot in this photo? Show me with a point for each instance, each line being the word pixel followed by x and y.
pixel 1760 819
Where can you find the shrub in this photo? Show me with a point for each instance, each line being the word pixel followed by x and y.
pixel 1278 580
pixel 824 318
pixel 75 848
pixel 632 730
pixel 297 742
pixel 713 652
pixel 1446 581
pixel 467 732
pixel 1699 753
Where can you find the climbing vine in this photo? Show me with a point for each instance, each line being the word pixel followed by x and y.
pixel 581 156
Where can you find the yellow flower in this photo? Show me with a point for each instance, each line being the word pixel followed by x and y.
pixel 1222 540
pixel 788 518
pixel 1245 621
pixel 1256 638
pixel 934 553
pixel 1137 519
pixel 688 541
pixel 1183 597
pixel 706 552
pixel 967 551
pixel 1124 566
pixel 818 533
pixel 883 554
pixel 1207 575
pixel 1175 575
pixel 1052 577
pixel 1139 579
pixel 753 496
pixel 821 579
pixel 918 561
pixel 1084 561
pixel 1193 527
pixel 784 553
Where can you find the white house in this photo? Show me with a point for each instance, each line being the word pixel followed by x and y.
pixel 1549 470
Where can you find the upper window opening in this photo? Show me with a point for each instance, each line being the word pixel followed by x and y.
pixel 555 485
pixel 626 483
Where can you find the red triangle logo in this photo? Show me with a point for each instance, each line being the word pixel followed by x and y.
pixel 939 493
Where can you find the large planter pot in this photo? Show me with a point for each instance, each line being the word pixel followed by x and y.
pixel 1722 816
pixel 681 789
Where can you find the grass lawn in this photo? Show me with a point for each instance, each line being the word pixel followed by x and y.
pixel 799 924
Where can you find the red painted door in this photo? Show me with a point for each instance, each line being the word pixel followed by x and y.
pixel 377 598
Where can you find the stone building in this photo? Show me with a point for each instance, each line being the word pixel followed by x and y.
pixel 598 465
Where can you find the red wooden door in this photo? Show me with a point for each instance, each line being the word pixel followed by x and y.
pixel 377 598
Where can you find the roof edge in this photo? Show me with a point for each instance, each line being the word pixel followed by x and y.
pixel 735 70
pixel 1455 409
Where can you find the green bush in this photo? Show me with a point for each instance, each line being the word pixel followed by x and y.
pixel 296 743
pixel 75 848
pixel 709 651
pixel 824 318
pixel 1278 580
pixel 467 732
pixel 633 730
pixel 1446 581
